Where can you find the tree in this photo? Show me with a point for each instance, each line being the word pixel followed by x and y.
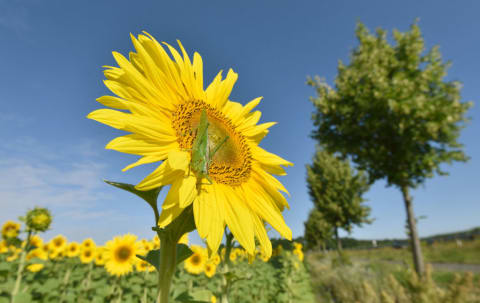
pixel 392 113
pixel 336 190
pixel 317 230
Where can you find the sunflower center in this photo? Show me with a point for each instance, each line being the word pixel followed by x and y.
pixel 196 259
pixel 231 164
pixel 123 253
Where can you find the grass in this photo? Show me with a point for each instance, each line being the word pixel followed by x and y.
pixel 377 281
pixel 441 252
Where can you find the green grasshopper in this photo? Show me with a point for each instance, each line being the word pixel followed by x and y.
pixel 202 156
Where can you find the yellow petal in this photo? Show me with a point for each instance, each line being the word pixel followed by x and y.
pixel 187 191
pixel 145 160
pixel 163 175
pixel 202 212
pixel 261 203
pixel 182 192
pixel 225 88
pixel 257 129
pixel 261 234
pixel 168 215
pixel 217 219
pixel 113 102
pixel 178 160
pixel 139 145
pixel 238 218
pixel 145 126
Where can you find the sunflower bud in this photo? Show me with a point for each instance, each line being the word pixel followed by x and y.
pixel 38 219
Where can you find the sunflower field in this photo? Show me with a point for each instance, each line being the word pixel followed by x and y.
pixel 62 271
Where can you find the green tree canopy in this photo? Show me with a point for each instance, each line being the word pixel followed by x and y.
pixel 317 230
pixel 336 190
pixel 391 110
pixel 393 113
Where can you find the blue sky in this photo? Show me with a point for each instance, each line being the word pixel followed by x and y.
pixel 50 76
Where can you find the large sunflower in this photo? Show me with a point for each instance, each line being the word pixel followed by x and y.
pixel 120 254
pixel 164 100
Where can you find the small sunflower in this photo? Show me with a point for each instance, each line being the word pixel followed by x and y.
pixel 195 264
pixel 3 247
pixel 56 254
pixel 36 241
pixel 10 229
pixel 87 255
pixel 46 248
pixel 73 249
pixel 146 245
pixel 165 99
pixel 58 244
pixel 264 258
pixel 121 254
pixel 210 269
pixel 100 256
pixel 37 253
pixel 298 253
pixel 297 245
pixel 156 242
pixel 236 254
pixel 13 257
pixel 35 267
pixel 88 243
pixel 143 266
pixel 216 259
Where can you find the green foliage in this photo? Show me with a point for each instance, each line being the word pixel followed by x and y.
pixel 383 282
pixel 391 110
pixel 153 256
pixel 336 190
pixel 438 252
pixel 317 230
pixel 283 279
pixel 150 196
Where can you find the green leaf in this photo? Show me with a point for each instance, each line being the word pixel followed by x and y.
pixel 4 267
pixel 22 297
pixel 183 252
pixel 153 256
pixel 150 196
pixel 199 296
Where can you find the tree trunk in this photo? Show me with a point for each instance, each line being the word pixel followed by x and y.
pixel 339 241
pixel 415 241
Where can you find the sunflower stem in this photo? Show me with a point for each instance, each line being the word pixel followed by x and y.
pixel 65 284
pixel 167 266
pixel 226 262
pixel 21 267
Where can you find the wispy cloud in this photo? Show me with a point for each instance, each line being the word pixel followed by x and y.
pixel 70 188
